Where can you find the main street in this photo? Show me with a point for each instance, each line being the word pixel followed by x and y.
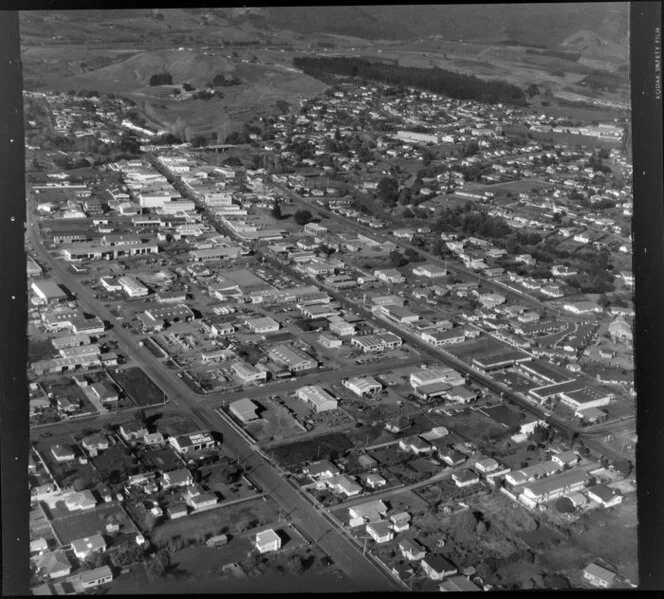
pixel 365 573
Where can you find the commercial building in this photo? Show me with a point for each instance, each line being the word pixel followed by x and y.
pixel 428 376
pixel 319 398
pixel 431 271
pixel 293 358
pixel 132 287
pixel 363 386
pixel 244 409
pixel 397 313
pixel 376 343
pixel 48 291
pixel 262 325
pixel 189 443
pixel 248 373
pixel 218 253
pixel 95 251
pixel 441 338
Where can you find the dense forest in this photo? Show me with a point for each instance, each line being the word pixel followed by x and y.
pixel 440 81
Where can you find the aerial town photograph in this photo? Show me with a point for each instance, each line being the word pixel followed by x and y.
pixel 330 299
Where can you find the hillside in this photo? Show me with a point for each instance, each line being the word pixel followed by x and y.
pixel 539 24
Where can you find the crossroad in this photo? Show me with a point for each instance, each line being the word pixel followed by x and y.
pixel 363 570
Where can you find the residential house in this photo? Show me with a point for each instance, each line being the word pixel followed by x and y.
pixel 267 541
pixel 412 550
pixel 400 521
pixel 565 458
pixel 603 495
pixel 598 576
pixel 85 547
pixel 380 531
pixel 465 478
pixel 438 567
pixel 456 584
pixel 54 564
pixel 177 478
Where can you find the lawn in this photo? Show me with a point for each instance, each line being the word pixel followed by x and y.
pixel 233 519
pixel 139 386
pixel 79 525
pixel 115 463
pixel 475 426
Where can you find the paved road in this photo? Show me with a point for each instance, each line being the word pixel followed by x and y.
pixel 362 570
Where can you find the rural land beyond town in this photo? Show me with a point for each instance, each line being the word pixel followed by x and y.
pixel 330 299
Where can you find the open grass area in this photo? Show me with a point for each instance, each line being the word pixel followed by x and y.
pixel 233 519
pixel 611 535
pixel 78 525
pixel 139 386
pixel 175 424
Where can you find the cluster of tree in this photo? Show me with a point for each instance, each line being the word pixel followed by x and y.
pixel 302 217
pixel 454 85
pixel 84 93
pixel 220 80
pixel 161 79
pixel 472 222
pixel 158 565
pixel 206 94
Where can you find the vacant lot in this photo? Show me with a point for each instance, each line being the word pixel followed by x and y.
pixel 176 424
pixel 233 519
pixel 276 423
pixel 139 387
pixel 163 459
pixel 327 447
pixel 84 524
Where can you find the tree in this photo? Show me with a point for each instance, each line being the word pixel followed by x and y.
pixel 158 565
pixel 164 78
pixel 276 211
pixel 408 213
pixel 388 190
pixel 188 87
pixel 397 259
pixel 302 217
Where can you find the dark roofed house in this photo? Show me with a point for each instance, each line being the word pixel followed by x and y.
pixel 604 495
pixel 438 567
pixel 456 584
